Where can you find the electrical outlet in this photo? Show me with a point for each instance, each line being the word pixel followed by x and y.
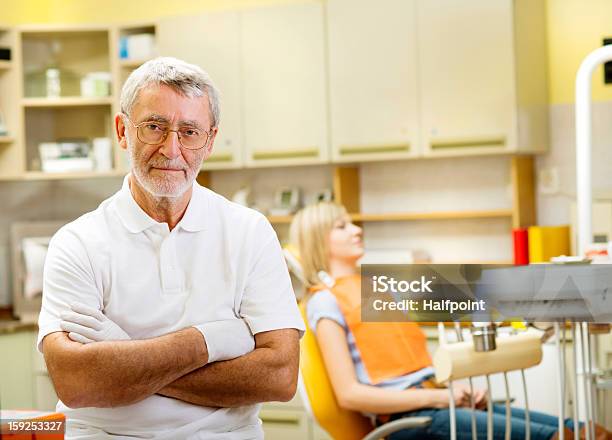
pixel 548 181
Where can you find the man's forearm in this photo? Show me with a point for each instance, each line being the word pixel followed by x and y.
pixel 118 373
pixel 266 374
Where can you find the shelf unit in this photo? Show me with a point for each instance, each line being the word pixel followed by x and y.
pixel 11 150
pixel 346 189
pixel 121 69
pixel 35 118
pixel 69 101
pixel 412 216
pixel 248 139
pixel 131 64
pixel 75 52
pixel 39 175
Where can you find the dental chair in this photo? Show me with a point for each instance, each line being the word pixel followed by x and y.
pixel 318 396
pixel 485 356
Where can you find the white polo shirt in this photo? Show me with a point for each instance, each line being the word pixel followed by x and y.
pixel 221 261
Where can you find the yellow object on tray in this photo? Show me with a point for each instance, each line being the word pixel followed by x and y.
pixel 32 425
pixel 546 242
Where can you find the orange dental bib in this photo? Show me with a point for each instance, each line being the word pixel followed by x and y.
pixel 388 349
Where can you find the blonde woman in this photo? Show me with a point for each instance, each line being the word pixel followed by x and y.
pixel 381 369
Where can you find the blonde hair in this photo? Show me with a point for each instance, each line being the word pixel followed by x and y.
pixel 309 234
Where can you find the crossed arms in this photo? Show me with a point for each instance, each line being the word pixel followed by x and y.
pixel 118 373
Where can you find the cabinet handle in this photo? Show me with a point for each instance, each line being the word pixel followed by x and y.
pixel 281 420
pixel 225 157
pixel 288 154
pixel 468 142
pixel 373 149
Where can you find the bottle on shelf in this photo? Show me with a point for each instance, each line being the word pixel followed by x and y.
pixel 3 129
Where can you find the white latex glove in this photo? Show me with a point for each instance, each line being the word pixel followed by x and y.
pixel 227 339
pixel 86 324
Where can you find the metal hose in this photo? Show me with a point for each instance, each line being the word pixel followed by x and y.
pixel 527 415
pixel 508 429
pixel 451 409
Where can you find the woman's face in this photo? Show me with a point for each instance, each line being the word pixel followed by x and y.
pixel 345 241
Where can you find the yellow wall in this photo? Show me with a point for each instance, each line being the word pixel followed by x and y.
pixel 575 27
pixel 14 12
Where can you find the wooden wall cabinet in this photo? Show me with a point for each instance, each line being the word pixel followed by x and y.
pixel 218 52
pixel 482 69
pixel 309 82
pixel 436 78
pixel 285 104
pixel 16 384
pixel 373 84
pixel 270 67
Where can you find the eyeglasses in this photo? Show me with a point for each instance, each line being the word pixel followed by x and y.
pixel 155 133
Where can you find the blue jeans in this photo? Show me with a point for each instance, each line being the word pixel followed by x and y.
pixel 543 426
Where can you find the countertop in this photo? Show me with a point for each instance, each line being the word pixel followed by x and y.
pixel 8 326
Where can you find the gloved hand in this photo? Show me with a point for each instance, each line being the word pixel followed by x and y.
pixel 227 339
pixel 86 324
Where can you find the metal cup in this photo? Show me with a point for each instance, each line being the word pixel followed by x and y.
pixel 484 338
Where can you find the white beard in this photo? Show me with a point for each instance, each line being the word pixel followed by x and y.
pixel 159 187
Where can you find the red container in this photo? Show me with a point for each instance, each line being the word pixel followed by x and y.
pixel 521 246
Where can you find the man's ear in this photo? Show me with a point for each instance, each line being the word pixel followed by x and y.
pixel 120 131
pixel 209 148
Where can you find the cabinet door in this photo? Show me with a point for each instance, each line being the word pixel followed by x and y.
pixel 467 76
pixel 285 111
pixel 284 424
pixel 212 41
pixel 16 379
pixel 373 79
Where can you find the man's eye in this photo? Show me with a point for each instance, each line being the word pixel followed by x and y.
pixel 154 127
pixel 190 132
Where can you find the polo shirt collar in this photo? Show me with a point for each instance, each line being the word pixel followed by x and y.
pixel 195 216
pixel 136 220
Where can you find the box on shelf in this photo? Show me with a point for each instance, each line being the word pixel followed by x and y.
pixel 65 156
pixel 3 129
pixel 137 47
pixel 67 165
pixel 102 154
pixel 546 242
pixel 96 84
pixel 51 83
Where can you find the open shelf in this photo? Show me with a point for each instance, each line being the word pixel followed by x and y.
pixel 280 219
pixel 439 215
pixel 6 139
pixel 411 216
pixel 74 101
pixel 5 64
pixel 132 64
pixel 39 175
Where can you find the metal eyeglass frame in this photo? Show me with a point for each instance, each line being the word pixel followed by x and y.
pixel 165 136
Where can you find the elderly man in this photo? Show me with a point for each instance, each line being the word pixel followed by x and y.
pixel 168 311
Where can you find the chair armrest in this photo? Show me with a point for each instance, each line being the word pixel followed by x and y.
pixel 397 425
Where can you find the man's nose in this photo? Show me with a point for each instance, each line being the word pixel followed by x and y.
pixel 171 148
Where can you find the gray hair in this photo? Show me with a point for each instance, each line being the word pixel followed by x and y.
pixel 187 79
